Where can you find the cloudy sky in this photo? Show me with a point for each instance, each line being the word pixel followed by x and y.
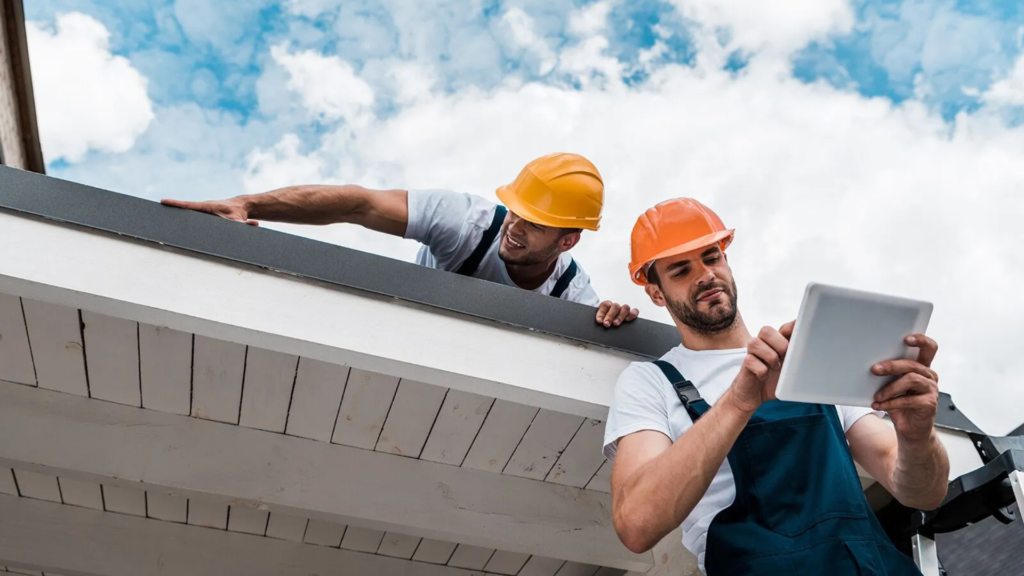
pixel 873 144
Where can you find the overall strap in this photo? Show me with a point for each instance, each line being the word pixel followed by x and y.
pixel 563 282
pixel 470 265
pixel 685 389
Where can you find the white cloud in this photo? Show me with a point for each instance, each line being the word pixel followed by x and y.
pixel 327 85
pixel 87 98
pixel 587 59
pixel 590 19
pixel 524 36
pixel 281 166
pixel 778 27
pixel 1008 91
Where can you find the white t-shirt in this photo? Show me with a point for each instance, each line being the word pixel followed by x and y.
pixel 645 400
pixel 451 224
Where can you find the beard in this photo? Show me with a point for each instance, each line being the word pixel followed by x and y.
pixel 719 317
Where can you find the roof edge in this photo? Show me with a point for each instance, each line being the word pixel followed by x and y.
pixel 150 222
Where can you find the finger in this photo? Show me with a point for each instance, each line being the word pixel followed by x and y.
pixel 602 309
pixel 755 366
pixel 633 314
pixel 901 367
pixel 613 312
pixel 775 339
pixel 177 203
pixel 623 314
pixel 787 329
pixel 765 353
pixel 926 348
pixel 907 402
pixel 252 222
pixel 908 384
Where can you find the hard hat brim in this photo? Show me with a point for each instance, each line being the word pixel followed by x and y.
pixel 530 214
pixel 723 237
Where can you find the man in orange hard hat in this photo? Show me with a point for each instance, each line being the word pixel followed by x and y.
pixel 524 243
pixel 759 486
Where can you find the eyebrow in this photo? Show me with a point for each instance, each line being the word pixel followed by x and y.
pixel 681 263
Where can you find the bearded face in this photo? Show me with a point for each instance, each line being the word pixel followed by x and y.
pixel 698 290
pixel 709 309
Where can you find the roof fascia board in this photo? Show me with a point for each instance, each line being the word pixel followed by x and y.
pixel 77 268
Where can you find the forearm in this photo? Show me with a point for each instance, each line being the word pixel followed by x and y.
pixel 308 204
pixel 659 495
pixel 920 473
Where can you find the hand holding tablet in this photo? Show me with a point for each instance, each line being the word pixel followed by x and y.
pixel 839 335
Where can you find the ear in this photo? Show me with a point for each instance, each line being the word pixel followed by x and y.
pixel 567 242
pixel 655 294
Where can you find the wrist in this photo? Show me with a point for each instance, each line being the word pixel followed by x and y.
pixel 917 442
pixel 246 203
pixel 739 406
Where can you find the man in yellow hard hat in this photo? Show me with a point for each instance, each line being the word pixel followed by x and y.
pixel 759 486
pixel 524 243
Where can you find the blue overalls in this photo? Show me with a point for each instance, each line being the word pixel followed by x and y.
pixel 799 507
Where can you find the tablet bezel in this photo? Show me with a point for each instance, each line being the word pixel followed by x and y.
pixel 795 382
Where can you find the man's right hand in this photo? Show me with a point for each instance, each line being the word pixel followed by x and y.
pixel 231 209
pixel 759 375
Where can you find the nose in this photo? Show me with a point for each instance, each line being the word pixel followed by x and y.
pixel 706 276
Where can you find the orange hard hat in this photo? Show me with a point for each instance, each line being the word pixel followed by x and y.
pixel 670 228
pixel 561 190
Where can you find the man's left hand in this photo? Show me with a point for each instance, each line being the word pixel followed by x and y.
pixel 612 314
pixel 912 400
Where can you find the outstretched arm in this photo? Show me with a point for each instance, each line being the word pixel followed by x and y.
pixel 381 210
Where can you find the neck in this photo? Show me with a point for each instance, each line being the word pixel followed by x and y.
pixel 735 337
pixel 532 276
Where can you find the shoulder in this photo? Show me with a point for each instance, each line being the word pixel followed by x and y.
pixel 640 378
pixel 433 211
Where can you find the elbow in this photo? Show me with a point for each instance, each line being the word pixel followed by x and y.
pixel 924 500
pixel 934 500
pixel 633 532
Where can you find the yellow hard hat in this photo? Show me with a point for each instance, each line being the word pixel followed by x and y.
pixel 561 190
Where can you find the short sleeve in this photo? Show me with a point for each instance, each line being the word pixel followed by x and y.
pixel 849 415
pixel 437 219
pixel 637 404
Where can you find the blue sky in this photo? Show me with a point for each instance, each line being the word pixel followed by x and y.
pixel 867 143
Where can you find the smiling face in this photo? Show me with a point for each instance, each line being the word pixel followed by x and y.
pixel 698 289
pixel 524 243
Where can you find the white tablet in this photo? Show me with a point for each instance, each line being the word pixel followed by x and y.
pixel 840 333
